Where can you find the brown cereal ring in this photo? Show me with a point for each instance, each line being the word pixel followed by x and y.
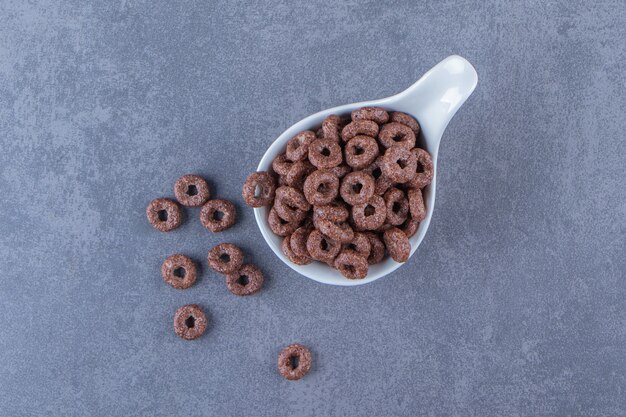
pixel 340 232
pixel 397 244
pixel 397 206
pixel 360 244
pixel 281 165
pixel 376 114
pixel 259 188
pixel 382 182
pixel 179 271
pixel 357 187
pixel 424 169
pixel 322 248
pixel 410 227
pixel 321 187
pixel 191 190
pixel 246 281
pixel 164 214
pixel 331 127
pixel 190 322
pixel 218 215
pixel 319 133
pixel 290 204
pixel 279 226
pixel 399 164
pixel 298 146
pixel 377 251
pixel 297 174
pixel 298 241
pixel 351 264
pixel 416 204
pixel 294 361
pixel 396 134
pixel 370 215
pixel 225 258
pixel 325 153
pixel 407 120
pixel 289 253
pixel 340 171
pixel 359 127
pixel 335 212
pixel 361 151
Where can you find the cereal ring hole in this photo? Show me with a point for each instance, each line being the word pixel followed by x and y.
pixel 324 245
pixel 402 163
pixel 294 361
pixel 217 215
pixel 224 257
pixel 369 210
pixel 377 172
pixel 325 151
pixel 358 150
pixel 357 187
pixel 396 207
pixel 243 280
pixel 180 272
pixel 190 322
pixel 192 190
pixel 162 214
pixel 420 167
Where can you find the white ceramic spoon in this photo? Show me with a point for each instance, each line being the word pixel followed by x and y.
pixel 432 100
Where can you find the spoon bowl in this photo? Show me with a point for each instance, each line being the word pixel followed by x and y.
pixel 432 100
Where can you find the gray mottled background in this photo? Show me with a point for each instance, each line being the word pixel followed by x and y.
pixel 515 303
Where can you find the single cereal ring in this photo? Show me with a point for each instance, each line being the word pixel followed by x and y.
pixel 191 190
pixel 280 226
pixel 377 251
pixel 294 361
pixel 396 134
pixel 298 260
pixel 290 204
pixel 351 264
pixel 410 227
pixel 297 174
pixel 325 153
pixel 190 321
pixel 340 171
pixel 179 271
pixel 259 189
pixel 322 248
pixel 405 119
pixel 361 151
pixel 298 146
pixel 376 114
pixel 357 187
pixel 335 212
pixel 397 244
pixel 341 232
pixel 298 241
pixel 399 164
pixel 281 165
pixel 331 127
pixel 225 258
pixel 359 127
pixel 164 214
pixel 370 215
pixel 218 215
pixel 424 169
pixel 246 281
pixel 360 244
pixel 321 187
pixel 416 204
pixel 397 206
pixel 382 182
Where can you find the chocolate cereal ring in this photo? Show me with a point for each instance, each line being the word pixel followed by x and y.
pixel 164 214
pixel 399 164
pixel 289 253
pixel 361 151
pixel 397 206
pixel 247 280
pixel 281 165
pixel 298 241
pixel 424 169
pixel 259 189
pixel 407 120
pixel 290 204
pixel 179 271
pixel 359 127
pixel 351 264
pixel 294 361
pixel 397 244
pixel 280 226
pixel 396 134
pixel 322 248
pixel 190 322
pixel 377 251
pixel 382 182
pixel 331 127
pixel 410 227
pixel 335 212
pixel 297 174
pixel 360 244
pixel 416 204
pixel 370 215
pixel 225 258
pixel 376 114
pixel 298 146
pixel 191 190
pixel 340 232
pixel 321 187
pixel 218 215
pixel 325 153
pixel 357 187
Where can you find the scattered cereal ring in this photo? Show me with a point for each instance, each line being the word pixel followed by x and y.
pixel 225 258
pixel 298 260
pixel 410 227
pixel 321 187
pixel 298 146
pixel 246 281
pixel 335 212
pixel 360 244
pixel 218 215
pixel 191 190
pixel 397 244
pixel 322 248
pixel 281 165
pixel 370 215
pixel 397 206
pixel 376 114
pixel 340 232
pixel 325 153
pixel 259 189
pixel 294 361
pixel 377 251
pixel 396 134
pixel 399 164
pixel 280 226
pixel 190 322
pixel 298 241
pixel 424 169
pixel 416 204
pixel 407 120
pixel 164 214
pixel 382 182
pixel 351 264
pixel 297 174
pixel 357 187
pixel 359 127
pixel 361 151
pixel 179 271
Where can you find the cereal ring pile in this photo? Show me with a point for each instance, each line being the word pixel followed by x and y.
pixel 348 193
